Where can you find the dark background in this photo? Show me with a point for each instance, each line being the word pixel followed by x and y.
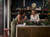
pixel 19 3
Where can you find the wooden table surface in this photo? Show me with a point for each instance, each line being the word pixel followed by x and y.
pixel 32 31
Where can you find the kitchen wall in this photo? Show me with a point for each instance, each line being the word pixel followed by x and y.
pixel 0 17
pixel 19 3
pixel 29 2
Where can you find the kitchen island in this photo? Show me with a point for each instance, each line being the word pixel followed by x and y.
pixel 32 31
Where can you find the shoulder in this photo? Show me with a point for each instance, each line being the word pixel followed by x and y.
pixel 37 14
pixel 31 15
pixel 18 15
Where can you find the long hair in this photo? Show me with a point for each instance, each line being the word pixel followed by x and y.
pixel 34 11
pixel 21 12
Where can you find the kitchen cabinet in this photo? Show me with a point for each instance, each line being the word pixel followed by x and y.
pixel 31 31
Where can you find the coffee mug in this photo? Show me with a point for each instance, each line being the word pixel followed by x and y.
pixel 24 23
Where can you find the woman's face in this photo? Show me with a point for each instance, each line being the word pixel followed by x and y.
pixel 33 12
pixel 23 14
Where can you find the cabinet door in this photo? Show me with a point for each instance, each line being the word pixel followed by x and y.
pixel 23 32
pixel 46 32
pixel 33 32
pixel 40 32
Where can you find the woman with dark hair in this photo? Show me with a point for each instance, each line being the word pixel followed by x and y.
pixel 34 16
pixel 16 21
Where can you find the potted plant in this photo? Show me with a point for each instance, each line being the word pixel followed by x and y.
pixel 13 7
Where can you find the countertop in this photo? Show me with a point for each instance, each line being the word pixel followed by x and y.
pixel 32 25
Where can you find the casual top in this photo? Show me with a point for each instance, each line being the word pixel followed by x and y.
pixel 16 20
pixel 36 18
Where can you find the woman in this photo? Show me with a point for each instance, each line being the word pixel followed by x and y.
pixel 16 21
pixel 34 17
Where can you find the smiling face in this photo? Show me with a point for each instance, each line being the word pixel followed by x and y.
pixel 33 12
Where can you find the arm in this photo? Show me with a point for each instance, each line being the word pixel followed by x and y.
pixel 19 19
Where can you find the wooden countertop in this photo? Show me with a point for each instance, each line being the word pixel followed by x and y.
pixel 32 25
pixel 32 31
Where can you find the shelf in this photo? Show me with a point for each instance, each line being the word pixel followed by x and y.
pixel 17 14
pixel 14 14
pixel 30 10
pixel 30 14
pixel 42 14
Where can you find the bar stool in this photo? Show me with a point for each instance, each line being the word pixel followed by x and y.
pixel 6 29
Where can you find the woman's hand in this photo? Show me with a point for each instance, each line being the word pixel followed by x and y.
pixel 30 21
pixel 35 22
pixel 17 23
pixel 25 17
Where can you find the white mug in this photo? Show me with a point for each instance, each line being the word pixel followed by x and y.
pixel 24 23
